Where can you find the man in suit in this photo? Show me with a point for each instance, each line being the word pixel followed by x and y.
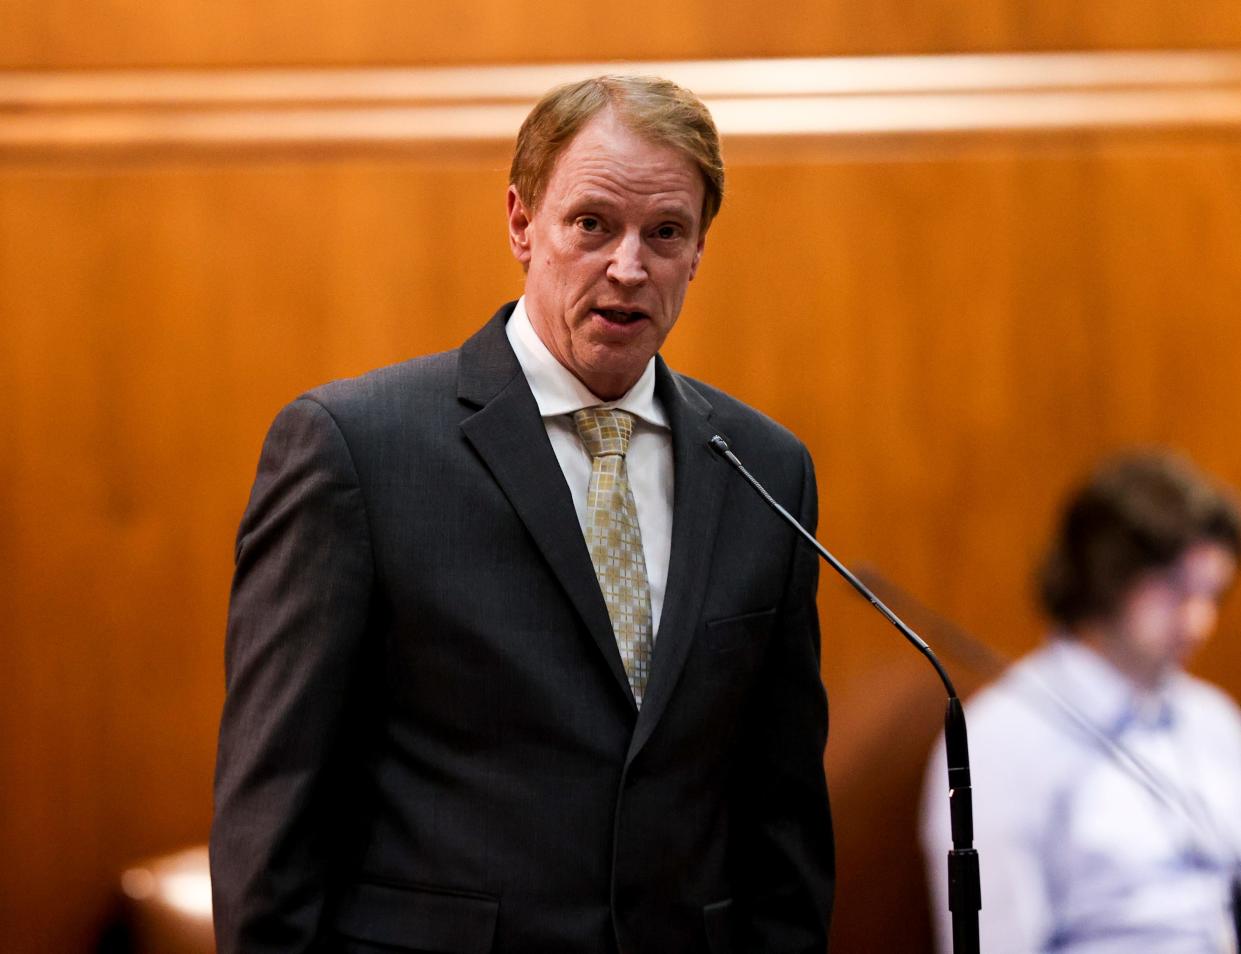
pixel 515 662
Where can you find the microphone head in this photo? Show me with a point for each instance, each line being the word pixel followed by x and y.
pixel 719 444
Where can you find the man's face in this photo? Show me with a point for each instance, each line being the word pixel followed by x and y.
pixel 1168 613
pixel 609 252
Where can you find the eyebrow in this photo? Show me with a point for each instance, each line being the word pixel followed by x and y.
pixel 672 209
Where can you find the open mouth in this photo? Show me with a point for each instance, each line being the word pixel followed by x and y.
pixel 619 317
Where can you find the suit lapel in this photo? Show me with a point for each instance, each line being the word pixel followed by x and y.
pixel 700 483
pixel 508 434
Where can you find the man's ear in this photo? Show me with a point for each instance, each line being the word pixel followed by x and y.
pixel 518 227
pixel 693 268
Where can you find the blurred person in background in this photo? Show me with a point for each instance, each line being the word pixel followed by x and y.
pixel 515 662
pixel 1107 780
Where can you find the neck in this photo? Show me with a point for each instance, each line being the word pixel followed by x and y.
pixel 1112 647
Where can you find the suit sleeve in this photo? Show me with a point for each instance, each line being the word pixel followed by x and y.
pixel 299 608
pixel 786 873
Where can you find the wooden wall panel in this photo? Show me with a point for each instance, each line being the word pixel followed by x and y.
pixel 957 325
pixel 65 34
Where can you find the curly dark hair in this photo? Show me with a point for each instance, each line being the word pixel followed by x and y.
pixel 1138 512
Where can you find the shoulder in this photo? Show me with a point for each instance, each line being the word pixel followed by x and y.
pixel 424 391
pixel 390 387
pixel 744 427
pixel 1003 710
pixel 363 418
pixel 765 447
pixel 1019 743
pixel 1016 700
pixel 1209 706
pixel 396 399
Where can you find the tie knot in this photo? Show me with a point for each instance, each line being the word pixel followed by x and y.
pixel 604 431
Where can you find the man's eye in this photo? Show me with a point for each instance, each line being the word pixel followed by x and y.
pixel 588 223
pixel 668 231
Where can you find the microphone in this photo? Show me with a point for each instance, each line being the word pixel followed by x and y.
pixel 964 890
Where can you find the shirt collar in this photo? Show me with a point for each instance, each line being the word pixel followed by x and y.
pixel 557 391
pixel 1103 694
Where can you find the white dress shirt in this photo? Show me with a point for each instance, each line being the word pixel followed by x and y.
pixel 1076 854
pixel 648 461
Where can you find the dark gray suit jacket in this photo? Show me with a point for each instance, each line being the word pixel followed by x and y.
pixel 429 743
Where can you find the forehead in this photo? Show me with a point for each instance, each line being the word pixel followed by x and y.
pixel 607 156
pixel 1205 567
pixel 1209 564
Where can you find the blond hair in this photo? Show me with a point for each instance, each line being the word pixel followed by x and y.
pixel 656 109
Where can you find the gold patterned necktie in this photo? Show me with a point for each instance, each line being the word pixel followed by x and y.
pixel 615 540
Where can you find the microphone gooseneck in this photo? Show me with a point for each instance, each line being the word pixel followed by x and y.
pixel 964 890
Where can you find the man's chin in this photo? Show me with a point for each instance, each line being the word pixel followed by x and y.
pixel 610 375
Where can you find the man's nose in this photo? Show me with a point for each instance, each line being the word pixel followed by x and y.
pixel 1200 616
pixel 626 266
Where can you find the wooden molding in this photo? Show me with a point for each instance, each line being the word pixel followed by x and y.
pixel 437 112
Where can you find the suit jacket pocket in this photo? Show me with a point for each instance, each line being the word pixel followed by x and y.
pixel 717 919
pixel 418 918
pixel 737 632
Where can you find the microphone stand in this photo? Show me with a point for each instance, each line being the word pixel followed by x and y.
pixel 964 890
